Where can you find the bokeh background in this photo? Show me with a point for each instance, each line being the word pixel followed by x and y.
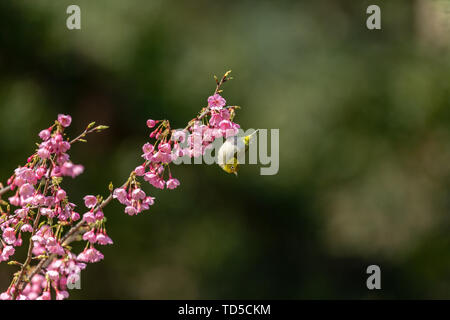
pixel 364 119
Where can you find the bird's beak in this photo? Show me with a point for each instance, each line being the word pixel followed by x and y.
pixel 235 173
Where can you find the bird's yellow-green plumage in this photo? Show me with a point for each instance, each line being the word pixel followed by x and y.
pixel 228 152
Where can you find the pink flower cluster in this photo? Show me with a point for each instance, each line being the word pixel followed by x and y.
pixel 58 275
pixel 40 207
pixel 215 122
pixel 44 210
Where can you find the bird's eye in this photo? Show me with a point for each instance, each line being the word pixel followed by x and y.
pixel 232 167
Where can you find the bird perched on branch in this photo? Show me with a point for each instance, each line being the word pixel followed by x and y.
pixel 228 154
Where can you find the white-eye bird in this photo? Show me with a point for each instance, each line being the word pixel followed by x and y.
pixel 227 156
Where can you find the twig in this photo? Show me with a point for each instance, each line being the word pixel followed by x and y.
pixel 4 190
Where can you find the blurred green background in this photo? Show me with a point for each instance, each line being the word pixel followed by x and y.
pixel 364 119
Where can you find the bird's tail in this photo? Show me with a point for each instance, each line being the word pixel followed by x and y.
pixel 247 139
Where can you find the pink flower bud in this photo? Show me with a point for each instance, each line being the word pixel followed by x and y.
pixel 60 195
pixel 64 120
pixel 75 216
pixel 140 171
pixel 151 123
pixel 99 215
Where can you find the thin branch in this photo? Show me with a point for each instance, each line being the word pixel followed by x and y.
pixel 4 190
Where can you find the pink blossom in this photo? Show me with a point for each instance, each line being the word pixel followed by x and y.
pixel 140 171
pixel 121 195
pixel 131 211
pixel 61 295
pixel 26 190
pixel 90 236
pixel 75 216
pixel 164 147
pixel 45 296
pixel 147 148
pixel 60 195
pixel 90 255
pixel 18 241
pixel 56 249
pixel 103 239
pixel 71 170
pixel 89 217
pixel 159 184
pixel 47 212
pixel 172 183
pixel 7 252
pixel 138 194
pixel 45 134
pixel 179 136
pixel 26 228
pixel 90 201
pixel 5 296
pixel 216 118
pixel 99 215
pixel 161 157
pixel 77 170
pixel 40 172
pixel 149 201
pixel 64 120
pixel 38 199
pixel 15 201
pixel 216 102
pixel 225 125
pixel 151 123
pixel 43 153
pixel 9 235
pixel 53 275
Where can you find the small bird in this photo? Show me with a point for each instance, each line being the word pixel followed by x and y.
pixel 227 156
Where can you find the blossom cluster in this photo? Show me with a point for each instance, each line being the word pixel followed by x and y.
pixel 41 207
pixel 215 121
